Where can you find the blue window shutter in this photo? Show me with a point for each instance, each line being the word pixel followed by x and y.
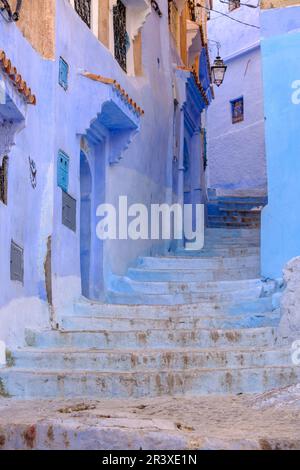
pixel 63 73
pixel 63 163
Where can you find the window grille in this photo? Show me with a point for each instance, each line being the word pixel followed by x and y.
pixel 3 180
pixel 84 10
pixel 120 34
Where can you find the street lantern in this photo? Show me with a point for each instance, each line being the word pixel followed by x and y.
pixel 218 71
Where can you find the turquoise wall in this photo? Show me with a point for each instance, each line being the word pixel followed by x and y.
pixel 281 70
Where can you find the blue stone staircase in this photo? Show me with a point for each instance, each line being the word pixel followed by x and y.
pixel 235 212
pixel 192 323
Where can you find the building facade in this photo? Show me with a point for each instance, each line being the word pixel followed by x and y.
pixel 99 99
pixel 236 146
pixel 280 221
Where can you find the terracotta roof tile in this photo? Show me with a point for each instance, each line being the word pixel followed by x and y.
pixel 16 79
pixel 117 86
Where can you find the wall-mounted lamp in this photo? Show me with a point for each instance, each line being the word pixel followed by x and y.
pixel 218 71
pixel 218 68
pixel 7 12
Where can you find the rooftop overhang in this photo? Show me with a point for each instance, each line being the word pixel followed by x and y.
pixel 119 117
pixel 15 79
pixel 15 95
pixel 190 88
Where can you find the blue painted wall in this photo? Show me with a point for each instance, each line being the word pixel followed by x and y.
pixel 236 152
pixel 280 57
pixel 27 219
pixel 58 122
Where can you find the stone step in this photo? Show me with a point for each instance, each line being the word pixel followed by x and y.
pixel 185 292
pixel 236 233
pixel 196 275
pixel 192 263
pixel 246 216
pixel 230 243
pixel 110 311
pixel 131 360
pixel 246 320
pixel 155 338
pixel 24 383
pixel 181 298
pixel 142 298
pixel 214 252
pixel 248 287
pixel 239 209
pixel 230 223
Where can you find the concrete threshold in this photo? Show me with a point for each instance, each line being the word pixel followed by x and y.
pixel 263 422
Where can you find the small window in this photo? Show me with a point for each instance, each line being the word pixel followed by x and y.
pixel 234 4
pixel 3 180
pixel 237 110
pixel 63 73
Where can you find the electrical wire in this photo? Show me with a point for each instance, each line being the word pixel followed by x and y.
pixel 228 16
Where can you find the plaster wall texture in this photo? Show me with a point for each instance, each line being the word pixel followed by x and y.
pixel 141 174
pixel 278 3
pixel 27 219
pixel 236 152
pixel 280 221
pixel 37 24
pixel 289 327
pixel 58 122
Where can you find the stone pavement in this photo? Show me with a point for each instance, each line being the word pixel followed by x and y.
pixel 267 421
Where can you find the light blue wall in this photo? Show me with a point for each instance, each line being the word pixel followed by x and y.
pixel 141 174
pixel 236 152
pixel 27 219
pixel 280 56
pixel 58 122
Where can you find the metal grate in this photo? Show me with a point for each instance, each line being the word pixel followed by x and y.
pixel 16 263
pixel 68 211
pixel 3 180
pixel 83 8
pixel 120 34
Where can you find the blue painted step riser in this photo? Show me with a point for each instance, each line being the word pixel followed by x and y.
pixel 148 361
pixel 261 337
pixel 209 275
pixel 137 385
pixel 126 324
pixel 260 305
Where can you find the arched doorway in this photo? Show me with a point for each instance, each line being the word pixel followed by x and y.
pixel 85 223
